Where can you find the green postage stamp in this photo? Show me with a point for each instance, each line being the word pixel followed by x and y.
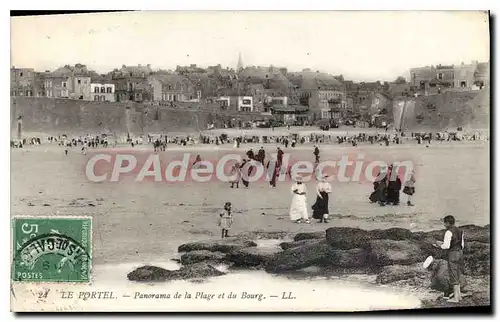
pixel 51 249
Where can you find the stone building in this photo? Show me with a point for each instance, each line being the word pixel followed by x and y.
pixel 131 83
pixel 173 88
pixel 71 82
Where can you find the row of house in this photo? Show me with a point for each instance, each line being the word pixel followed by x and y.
pixel 297 96
pixel 269 90
pixel 471 76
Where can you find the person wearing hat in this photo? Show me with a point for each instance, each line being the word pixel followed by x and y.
pixel 298 209
pixel 454 244
pixel 320 207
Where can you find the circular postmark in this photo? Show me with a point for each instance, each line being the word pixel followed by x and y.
pixel 52 254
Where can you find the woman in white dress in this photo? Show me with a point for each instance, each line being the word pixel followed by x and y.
pixel 298 209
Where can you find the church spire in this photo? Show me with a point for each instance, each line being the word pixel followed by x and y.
pixel 240 63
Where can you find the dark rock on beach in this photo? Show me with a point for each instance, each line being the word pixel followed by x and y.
pixel 153 273
pixel 197 256
pixel 317 253
pixel 223 245
pixel 292 244
pixel 391 233
pixel 385 252
pixel 347 238
pixel 253 256
pixel 299 257
pixel 198 270
pixel 149 273
pixel 310 235
pixel 395 273
pixel 348 258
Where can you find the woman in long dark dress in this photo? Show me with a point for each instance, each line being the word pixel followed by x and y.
pixel 320 207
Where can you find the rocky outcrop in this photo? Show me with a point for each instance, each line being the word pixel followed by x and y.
pixel 310 235
pixel 154 273
pixel 347 238
pixel 292 244
pixel 197 256
pixel 385 252
pixel 316 253
pixel 223 245
pixel 395 255
pixel 299 257
pixel 395 273
pixel 253 256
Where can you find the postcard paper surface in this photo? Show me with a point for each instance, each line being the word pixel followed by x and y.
pixel 250 161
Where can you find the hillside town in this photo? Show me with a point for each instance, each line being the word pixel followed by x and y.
pixel 296 98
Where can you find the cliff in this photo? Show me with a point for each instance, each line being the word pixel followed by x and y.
pixel 445 111
pixel 76 117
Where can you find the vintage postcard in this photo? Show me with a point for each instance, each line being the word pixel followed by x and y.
pixel 258 161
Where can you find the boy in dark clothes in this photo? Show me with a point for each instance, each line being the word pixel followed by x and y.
pixel 454 244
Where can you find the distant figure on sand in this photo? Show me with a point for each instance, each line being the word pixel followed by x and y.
pixel 379 193
pixel 226 220
pixel 320 207
pixel 393 186
pixel 235 175
pixel 409 188
pixel 316 154
pixel 298 209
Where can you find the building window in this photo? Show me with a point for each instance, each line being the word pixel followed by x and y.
pixel 79 82
pixel 64 85
pixel 96 98
pixel 21 74
pixel 246 102
pixel 440 76
pixel 109 89
pixel 102 98
pixel 103 89
pixel 96 89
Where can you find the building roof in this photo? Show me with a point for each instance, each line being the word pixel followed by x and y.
pixel 68 71
pixel 271 76
pixel 134 71
pixel 309 80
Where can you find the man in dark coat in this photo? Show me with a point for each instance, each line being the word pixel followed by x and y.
pixel 393 187
pixel 261 155
pixel 316 154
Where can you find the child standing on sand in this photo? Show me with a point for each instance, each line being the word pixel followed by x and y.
pixel 226 220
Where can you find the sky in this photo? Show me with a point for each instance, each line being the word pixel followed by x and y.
pixel 361 45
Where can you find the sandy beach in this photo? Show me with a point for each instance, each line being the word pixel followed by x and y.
pixel 142 222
